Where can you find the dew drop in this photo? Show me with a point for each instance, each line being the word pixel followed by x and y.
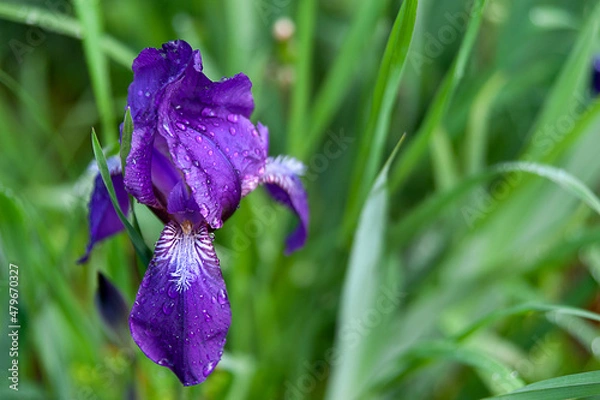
pixel 147 94
pixel 211 133
pixel 210 152
pixel 207 316
pixel 207 112
pixel 145 283
pixel 254 132
pixel 165 362
pixel 213 299
pixel 199 139
pixel 180 126
pixel 204 210
pixel 168 307
pixel 245 153
pixel 235 153
pixel 232 118
pixel 172 292
pixel 208 368
pixel 257 151
pixel 178 106
pixel 232 130
pixel 140 93
pixel 222 297
pixel 202 127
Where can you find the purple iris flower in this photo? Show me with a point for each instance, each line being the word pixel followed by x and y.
pixel 194 155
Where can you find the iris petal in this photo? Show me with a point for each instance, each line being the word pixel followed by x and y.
pixel 181 314
pixel 103 219
pixel 282 179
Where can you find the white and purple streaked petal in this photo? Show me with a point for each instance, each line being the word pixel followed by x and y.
pixel 282 179
pixel 103 219
pixel 181 314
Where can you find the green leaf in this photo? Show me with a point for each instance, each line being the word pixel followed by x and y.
pixel 384 97
pixel 65 25
pixel 138 242
pixel 498 377
pixel 418 146
pixel 558 176
pixel 362 287
pixel 89 17
pixel 126 138
pixel 337 82
pixel 564 387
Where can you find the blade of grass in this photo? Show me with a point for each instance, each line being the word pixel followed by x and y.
pixel 89 14
pixel 558 176
pixel 498 377
pixel 337 81
pixel 435 115
pixel 64 25
pixel 445 169
pixel 384 97
pixel 361 287
pixel 307 15
pixel 564 387
pixel 567 91
pixel 477 128
pixel 138 242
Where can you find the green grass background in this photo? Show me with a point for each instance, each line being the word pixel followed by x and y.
pixel 464 267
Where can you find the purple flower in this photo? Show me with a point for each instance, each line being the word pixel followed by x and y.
pixel 194 155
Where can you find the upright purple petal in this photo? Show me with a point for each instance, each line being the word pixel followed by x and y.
pixel 282 179
pixel 181 314
pixel 206 123
pixel 103 219
pixel 153 69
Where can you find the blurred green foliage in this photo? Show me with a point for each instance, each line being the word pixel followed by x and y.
pixel 448 279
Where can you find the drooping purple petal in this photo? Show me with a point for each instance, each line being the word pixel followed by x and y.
pixel 181 314
pixel 111 306
pixel 103 219
pixel 282 179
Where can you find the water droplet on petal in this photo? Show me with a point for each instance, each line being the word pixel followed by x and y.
pixel 254 132
pixel 211 133
pixel 173 292
pixel 232 130
pixel 145 283
pixel 213 299
pixel 204 210
pixel 147 94
pixel 258 151
pixel 165 362
pixel 180 126
pixel 168 307
pixel 178 106
pixel 207 316
pixel 232 118
pixel 202 127
pixel 245 153
pixel 199 139
pixel 210 152
pixel 207 112
pixel 222 297
pixel 140 92
pixel 208 368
